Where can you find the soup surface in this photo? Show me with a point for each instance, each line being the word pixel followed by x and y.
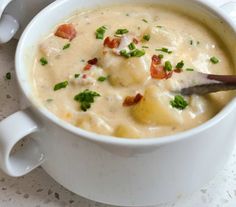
pixel 116 71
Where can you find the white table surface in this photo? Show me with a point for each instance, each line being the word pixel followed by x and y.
pixel 37 189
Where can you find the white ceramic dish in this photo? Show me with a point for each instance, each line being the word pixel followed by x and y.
pixel 15 15
pixel 106 169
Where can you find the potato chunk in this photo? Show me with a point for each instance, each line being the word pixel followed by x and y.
pixel 52 46
pixel 126 72
pixel 126 132
pixel 155 109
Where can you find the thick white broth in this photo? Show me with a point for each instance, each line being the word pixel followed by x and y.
pixel 153 116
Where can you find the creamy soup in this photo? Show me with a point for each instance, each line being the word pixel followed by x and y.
pixel 116 71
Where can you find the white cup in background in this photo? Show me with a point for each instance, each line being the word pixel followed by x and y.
pixel 15 15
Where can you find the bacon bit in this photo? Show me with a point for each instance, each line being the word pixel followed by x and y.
pixel 178 70
pixel 135 41
pixel 158 71
pixel 66 31
pixel 169 75
pixel 114 43
pixel 88 67
pixel 132 100
pixel 93 61
pixel 84 76
pixel 156 60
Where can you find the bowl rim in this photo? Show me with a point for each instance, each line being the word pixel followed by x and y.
pixel 105 139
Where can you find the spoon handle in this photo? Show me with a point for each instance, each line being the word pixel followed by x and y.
pixel 224 83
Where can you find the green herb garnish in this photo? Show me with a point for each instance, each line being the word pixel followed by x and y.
pixel 8 76
pixel 100 32
pixel 180 65
pixel 161 56
pixel 66 46
pixel 124 53
pixel 145 47
pixel 49 100
pixel 102 78
pixel 166 50
pixel 168 66
pixel 131 46
pixel 61 85
pixel 146 37
pixel 144 20
pixel 214 60
pixel 179 102
pixel 121 31
pixel 77 75
pixel 137 53
pixel 192 42
pixel 189 69
pixel 158 26
pixel 86 98
pixel 43 61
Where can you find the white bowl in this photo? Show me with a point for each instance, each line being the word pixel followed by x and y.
pixel 106 169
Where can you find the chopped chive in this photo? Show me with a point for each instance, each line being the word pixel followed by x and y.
pixel 131 46
pixel 168 66
pixel 137 53
pixel 8 76
pixel 161 56
pixel 124 53
pixel 179 102
pixel 146 37
pixel 66 46
pixel 102 78
pixel 82 61
pixel 189 69
pixel 194 42
pixel 166 50
pixel 145 47
pixel 49 100
pixel 121 31
pixel 86 98
pixel 100 32
pixel 77 75
pixel 43 61
pixel 180 65
pixel 158 26
pixel 61 85
pixel 144 20
pixel 127 15
pixel 214 60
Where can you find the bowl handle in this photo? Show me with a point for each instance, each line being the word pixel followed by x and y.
pixel 12 130
pixel 3 5
pixel 8 25
pixel 230 9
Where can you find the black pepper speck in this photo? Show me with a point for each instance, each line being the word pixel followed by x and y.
pixel 57 196
pixel 50 192
pixel 26 196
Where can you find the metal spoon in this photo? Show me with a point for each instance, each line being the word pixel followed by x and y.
pixel 213 83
